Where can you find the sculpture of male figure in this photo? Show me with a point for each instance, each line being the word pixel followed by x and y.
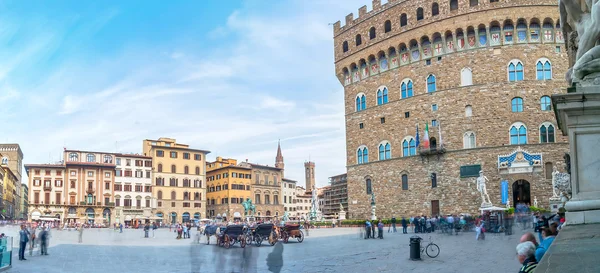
pixel 481 187
pixel 582 32
pixel 554 183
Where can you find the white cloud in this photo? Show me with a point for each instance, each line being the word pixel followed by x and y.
pixel 273 79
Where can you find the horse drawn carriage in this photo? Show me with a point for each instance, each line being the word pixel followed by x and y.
pixel 291 231
pixel 260 233
pixel 231 235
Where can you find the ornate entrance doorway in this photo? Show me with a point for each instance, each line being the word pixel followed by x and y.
pixel 521 192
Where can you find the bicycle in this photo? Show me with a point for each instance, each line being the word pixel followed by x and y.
pixel 432 250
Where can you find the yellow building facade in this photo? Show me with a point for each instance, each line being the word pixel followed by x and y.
pixel 11 208
pixel 179 177
pixel 228 185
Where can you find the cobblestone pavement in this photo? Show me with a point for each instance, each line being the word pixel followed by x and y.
pixel 325 250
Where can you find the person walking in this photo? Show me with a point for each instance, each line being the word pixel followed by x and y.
pixel 120 228
pixel 185 231
pixel 44 242
pixel 23 239
pixel 31 240
pixel 367 229
pixel 146 230
pixel 80 230
pixel 394 224
pixel 380 229
pixel 154 227
pixel 404 225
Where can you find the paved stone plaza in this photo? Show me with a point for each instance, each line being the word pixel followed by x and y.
pixel 325 250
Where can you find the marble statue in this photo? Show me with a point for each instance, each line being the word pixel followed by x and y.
pixel 555 194
pixel 481 187
pixel 286 217
pixel 561 184
pixel 372 198
pixel 535 202
pixel 341 207
pixel 581 29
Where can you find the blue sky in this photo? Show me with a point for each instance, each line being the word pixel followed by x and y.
pixel 231 77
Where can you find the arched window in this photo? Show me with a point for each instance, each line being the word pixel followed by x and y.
pixel 453 4
pixel 435 9
pixel 546 103
pixel 406 88
pixel 518 134
pixel 405 182
pixel 409 147
pixel 385 151
pixel 382 95
pixel 431 86
pixel 469 140
pixel 468 111
pixel 466 77
pixel 107 159
pixel 91 158
pixel 345 46
pixel 387 26
pixel 159 195
pixel 197 170
pixel 474 3
pixel 73 157
pixel 362 155
pixel 517 105
pixel 419 14
pixel 372 34
pixel 368 186
pixel 5 160
pixel 543 69
pixel 358 40
pixel 173 195
pixel 173 169
pixel 403 20
pixel 361 102
pixel 186 170
pixel 547 133
pixel 159 167
pixel 515 71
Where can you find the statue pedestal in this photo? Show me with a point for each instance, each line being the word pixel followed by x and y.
pixel 373 216
pixel 578 115
pixel 342 215
pixel 555 204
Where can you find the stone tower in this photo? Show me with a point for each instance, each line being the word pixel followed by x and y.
pixel 309 175
pixel 279 159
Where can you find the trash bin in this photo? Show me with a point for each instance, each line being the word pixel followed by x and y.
pixel 415 248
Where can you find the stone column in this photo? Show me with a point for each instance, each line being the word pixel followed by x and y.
pixel 578 116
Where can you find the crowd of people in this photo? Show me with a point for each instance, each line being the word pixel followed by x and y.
pixel 35 236
pixel 530 250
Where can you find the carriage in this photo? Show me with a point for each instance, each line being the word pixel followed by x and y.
pixel 293 231
pixel 260 233
pixel 231 235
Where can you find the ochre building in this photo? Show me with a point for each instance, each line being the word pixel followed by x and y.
pixel 228 185
pixel 178 172
pixel 479 75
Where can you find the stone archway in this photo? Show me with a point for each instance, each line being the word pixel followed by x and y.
pixel 521 192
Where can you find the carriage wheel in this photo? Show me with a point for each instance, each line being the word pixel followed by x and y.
pixel 300 237
pixel 249 239
pixel 258 240
pixel 286 237
pixel 243 241
pixel 227 241
pixel 221 240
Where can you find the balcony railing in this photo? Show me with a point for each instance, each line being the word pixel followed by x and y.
pixel 47 188
pixel 90 190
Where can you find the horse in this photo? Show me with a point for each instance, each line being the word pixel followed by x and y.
pixel 212 230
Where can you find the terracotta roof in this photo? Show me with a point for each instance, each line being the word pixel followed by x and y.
pixel 264 166
pixel 54 166
pixel 133 155
pixel 95 164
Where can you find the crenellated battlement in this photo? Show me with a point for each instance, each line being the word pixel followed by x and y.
pixel 410 8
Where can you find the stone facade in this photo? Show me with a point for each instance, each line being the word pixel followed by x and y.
pixel 472 94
